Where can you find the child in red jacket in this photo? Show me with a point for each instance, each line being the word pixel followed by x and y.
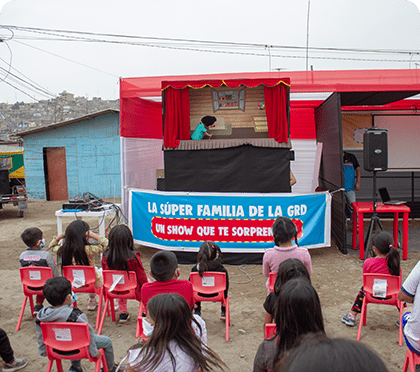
pixel 120 255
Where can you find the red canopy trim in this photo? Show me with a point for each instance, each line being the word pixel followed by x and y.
pixel 232 83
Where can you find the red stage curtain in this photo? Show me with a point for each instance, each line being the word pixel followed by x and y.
pixel 177 116
pixel 276 110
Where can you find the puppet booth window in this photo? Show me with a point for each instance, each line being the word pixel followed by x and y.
pixel 229 99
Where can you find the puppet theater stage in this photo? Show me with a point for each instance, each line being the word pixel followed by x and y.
pixel 237 158
pixel 249 152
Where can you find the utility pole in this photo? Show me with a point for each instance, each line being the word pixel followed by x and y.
pixel 307 37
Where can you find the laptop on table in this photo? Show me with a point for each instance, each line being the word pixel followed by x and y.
pixel 386 199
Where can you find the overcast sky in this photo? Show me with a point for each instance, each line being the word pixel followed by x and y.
pixel 90 69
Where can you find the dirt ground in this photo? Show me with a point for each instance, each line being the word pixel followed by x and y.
pixel 336 277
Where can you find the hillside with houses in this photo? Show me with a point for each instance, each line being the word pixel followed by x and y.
pixel 21 116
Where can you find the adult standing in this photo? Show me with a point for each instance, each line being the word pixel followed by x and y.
pixel 352 177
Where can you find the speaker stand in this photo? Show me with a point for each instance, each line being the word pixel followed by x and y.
pixel 374 221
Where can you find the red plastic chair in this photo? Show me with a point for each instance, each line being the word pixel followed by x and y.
pixel 411 359
pixel 211 283
pixel 271 280
pixel 126 288
pixel 139 329
pixel 270 330
pixel 32 279
pixel 89 275
pixel 393 287
pixel 67 340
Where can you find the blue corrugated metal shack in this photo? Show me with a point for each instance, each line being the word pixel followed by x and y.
pixel 65 160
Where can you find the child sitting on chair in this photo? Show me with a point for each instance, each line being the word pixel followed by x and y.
pixel 36 256
pixel 284 232
pixel 58 293
pixel 121 256
pixel 164 269
pixel 201 129
pixel 387 261
pixel 210 259
pixel 76 250
pixel 174 344
pixel 289 269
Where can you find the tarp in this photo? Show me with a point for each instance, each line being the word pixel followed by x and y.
pixel 140 118
pixel 140 158
pixel 238 222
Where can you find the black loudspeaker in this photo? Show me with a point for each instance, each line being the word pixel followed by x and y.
pixel 375 149
pixel 4 182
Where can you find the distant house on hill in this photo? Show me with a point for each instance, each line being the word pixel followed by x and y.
pixel 65 160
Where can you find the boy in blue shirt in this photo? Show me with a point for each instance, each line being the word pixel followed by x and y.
pixel 202 128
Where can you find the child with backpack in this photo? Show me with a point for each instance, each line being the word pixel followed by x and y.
pixel 58 293
pixel 209 258
pixel 36 256
pixel 120 255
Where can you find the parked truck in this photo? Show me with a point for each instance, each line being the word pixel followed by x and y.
pixel 12 178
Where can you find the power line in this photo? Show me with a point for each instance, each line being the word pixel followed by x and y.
pixel 29 79
pixel 217 43
pixel 67 59
pixel 20 90
pixel 31 87
pixel 185 45
pixel 10 62
pixel 167 46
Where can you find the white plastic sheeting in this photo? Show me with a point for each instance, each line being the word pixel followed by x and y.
pixel 140 158
pixel 305 167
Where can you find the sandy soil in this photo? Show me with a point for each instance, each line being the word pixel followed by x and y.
pixel 336 277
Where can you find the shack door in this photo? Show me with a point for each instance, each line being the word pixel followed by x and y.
pixel 55 173
pixel 328 131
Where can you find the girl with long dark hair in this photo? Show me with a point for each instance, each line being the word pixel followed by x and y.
pixel 289 269
pixel 76 250
pixel 120 255
pixel 173 344
pixel 387 261
pixel 298 312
